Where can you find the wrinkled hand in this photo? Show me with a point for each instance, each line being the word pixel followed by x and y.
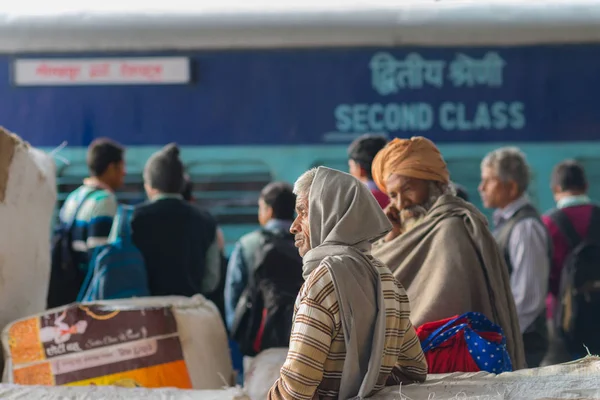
pixel 394 216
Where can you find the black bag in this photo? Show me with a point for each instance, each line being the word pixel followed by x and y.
pixel 268 301
pixel 66 277
pixel 576 315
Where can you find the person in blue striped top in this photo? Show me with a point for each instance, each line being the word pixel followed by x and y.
pixel 93 222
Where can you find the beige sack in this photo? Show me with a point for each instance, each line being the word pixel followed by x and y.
pixel 145 342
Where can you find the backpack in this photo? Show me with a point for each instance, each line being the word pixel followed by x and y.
pixel 66 275
pixel 264 314
pixel 117 269
pixel 576 315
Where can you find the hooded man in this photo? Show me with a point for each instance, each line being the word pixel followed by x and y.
pixel 441 248
pixel 352 334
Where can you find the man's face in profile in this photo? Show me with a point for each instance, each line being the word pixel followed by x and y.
pixel 300 227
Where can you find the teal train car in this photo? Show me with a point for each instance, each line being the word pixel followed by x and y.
pixel 254 94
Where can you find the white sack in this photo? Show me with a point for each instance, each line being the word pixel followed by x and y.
pixel 262 372
pixel 575 380
pixel 27 201
pixel 14 392
pixel 145 342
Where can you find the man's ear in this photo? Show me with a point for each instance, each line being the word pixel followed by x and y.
pixel 513 189
pixel 269 212
pixel 555 189
pixel 363 172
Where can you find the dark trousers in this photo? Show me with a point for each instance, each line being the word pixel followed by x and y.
pixel 536 341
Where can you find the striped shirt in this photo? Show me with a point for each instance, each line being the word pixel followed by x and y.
pixel 94 220
pixel 313 368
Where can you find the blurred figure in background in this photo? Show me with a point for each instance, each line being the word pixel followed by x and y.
pixel 91 208
pixel 360 158
pixel 263 264
pixel 275 215
pixel 178 240
pixel 574 228
pixel 524 242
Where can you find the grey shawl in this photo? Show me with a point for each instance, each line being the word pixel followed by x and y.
pixel 450 264
pixel 344 220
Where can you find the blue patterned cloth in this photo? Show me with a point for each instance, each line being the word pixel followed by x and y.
pixel 489 355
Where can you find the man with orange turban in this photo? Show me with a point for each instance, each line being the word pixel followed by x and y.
pixel 441 249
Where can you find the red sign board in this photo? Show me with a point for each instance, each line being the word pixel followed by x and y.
pixel 109 71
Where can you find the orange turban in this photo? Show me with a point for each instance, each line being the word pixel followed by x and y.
pixel 416 157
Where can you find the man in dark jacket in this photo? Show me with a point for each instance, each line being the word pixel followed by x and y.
pixel 178 240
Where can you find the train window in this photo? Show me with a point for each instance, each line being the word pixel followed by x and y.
pixel 230 191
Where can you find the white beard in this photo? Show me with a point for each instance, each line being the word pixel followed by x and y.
pixel 412 223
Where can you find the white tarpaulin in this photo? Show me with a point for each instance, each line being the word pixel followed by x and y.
pixel 27 200
pixel 576 380
pixel 262 372
pixel 14 392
